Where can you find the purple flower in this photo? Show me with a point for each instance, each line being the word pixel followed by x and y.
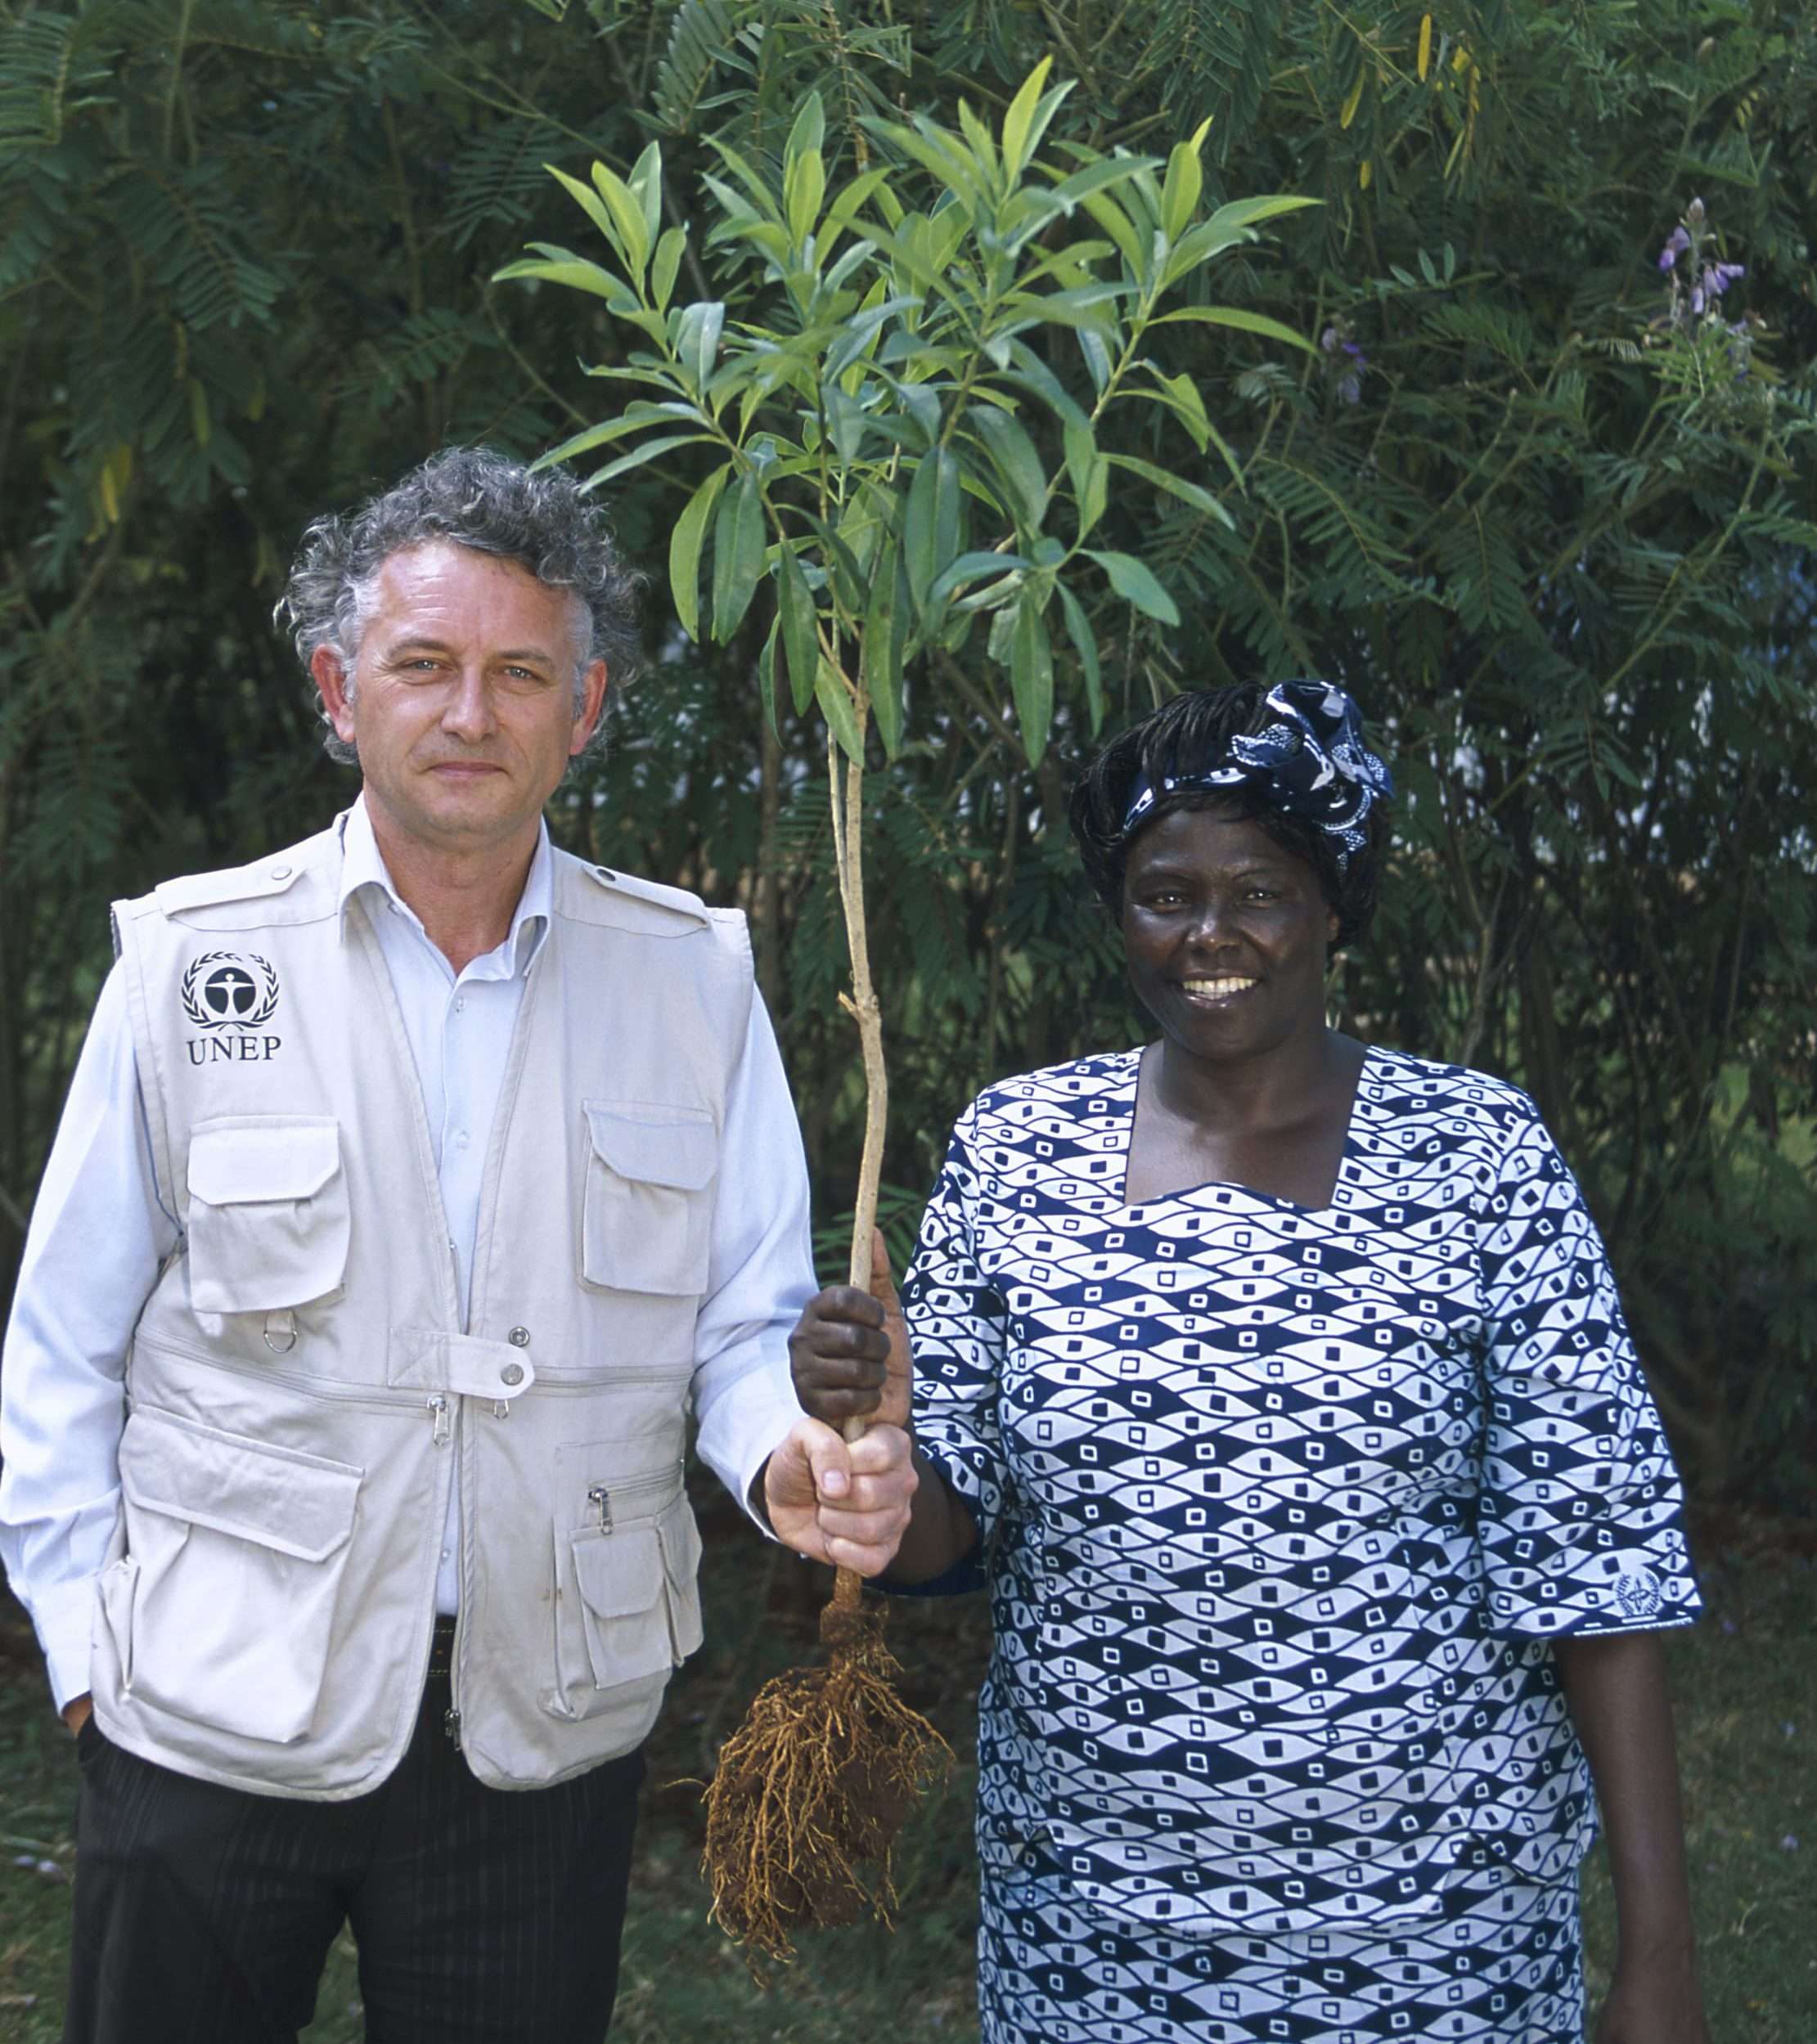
pixel 1676 243
pixel 1718 276
pixel 1348 359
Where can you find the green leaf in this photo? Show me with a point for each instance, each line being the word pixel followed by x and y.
pixel 1031 675
pixel 1135 584
pixel 947 159
pixel 645 183
pixel 737 555
pixel 1025 122
pixel 1182 398
pixel 1109 215
pixel 800 641
pixel 1086 472
pixel 685 543
pixel 1097 358
pixel 880 652
pixel 1180 194
pixel 803 188
pixel 808 135
pixel 1033 372
pixel 667 264
pixel 576 274
pixel 1245 321
pixel 697 327
pixel 1094 176
pixel 971 567
pixel 627 215
pixel 766 675
pixel 930 521
pixel 835 701
pixel 601 216
pixel 647 452
pixel 1178 486
pixel 1014 456
pixel 1085 644
pixel 599 436
pixel 1249 212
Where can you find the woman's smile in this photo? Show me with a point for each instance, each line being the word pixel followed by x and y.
pixel 1216 992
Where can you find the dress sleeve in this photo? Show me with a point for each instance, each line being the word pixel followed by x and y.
pixel 1581 1516
pixel 956 1322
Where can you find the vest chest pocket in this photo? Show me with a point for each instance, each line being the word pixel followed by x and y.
pixel 646 1213
pixel 235 1549
pixel 268 1223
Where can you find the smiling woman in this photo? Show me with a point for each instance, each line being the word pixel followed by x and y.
pixel 1276 1387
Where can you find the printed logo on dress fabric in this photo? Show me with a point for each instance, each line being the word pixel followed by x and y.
pixel 232 995
pixel 1640 1593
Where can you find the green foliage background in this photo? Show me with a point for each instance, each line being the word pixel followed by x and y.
pixel 1557 546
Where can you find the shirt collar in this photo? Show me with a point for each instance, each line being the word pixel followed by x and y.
pixel 363 867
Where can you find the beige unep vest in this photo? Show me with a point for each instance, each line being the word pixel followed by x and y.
pixel 300 1391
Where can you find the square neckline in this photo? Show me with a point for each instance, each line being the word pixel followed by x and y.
pixel 1127 1093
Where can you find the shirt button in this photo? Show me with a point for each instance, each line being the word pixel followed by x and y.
pixel 461 1004
pixel 460 1139
pixel 512 1373
pixel 518 1337
pixel 280 872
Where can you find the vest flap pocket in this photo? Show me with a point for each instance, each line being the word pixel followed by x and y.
pixel 296 1504
pixel 238 1551
pixel 267 1223
pixel 279 1157
pixel 624 1611
pixel 647 1209
pixel 618 1572
pixel 676 1146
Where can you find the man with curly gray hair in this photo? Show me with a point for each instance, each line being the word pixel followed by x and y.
pixel 416 1183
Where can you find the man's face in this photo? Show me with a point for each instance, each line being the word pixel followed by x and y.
pixel 462 702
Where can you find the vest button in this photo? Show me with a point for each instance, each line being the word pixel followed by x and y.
pixel 512 1373
pixel 518 1337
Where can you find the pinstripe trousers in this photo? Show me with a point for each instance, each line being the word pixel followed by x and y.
pixel 204 1914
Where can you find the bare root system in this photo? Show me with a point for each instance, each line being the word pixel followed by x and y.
pixel 811 1791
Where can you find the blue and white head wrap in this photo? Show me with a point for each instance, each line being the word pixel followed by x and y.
pixel 1311 761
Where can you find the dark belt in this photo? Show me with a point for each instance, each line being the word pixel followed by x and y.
pixel 441 1650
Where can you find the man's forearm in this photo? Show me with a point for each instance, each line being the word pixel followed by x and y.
pixel 1616 1688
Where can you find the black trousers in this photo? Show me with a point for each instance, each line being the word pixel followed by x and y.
pixel 204 1914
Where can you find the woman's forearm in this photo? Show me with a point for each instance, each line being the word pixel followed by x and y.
pixel 941 1531
pixel 1616 1688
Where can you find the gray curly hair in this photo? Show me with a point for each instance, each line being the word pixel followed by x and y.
pixel 484 500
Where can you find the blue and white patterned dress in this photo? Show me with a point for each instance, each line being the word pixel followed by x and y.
pixel 1279 1508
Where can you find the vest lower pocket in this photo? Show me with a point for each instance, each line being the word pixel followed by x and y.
pixel 646 1213
pixel 626 1607
pixel 268 1223
pixel 237 1551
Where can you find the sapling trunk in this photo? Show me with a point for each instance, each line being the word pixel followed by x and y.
pixel 811 1789
pixel 861 1004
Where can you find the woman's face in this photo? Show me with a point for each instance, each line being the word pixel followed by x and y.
pixel 1225 934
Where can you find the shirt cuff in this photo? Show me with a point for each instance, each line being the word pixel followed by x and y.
pixel 64 1619
pixel 750 1420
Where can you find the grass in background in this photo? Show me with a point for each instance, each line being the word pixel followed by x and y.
pixel 1745 1683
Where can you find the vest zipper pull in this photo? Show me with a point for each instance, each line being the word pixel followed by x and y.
pixel 444 1425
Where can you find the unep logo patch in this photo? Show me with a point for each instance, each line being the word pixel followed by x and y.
pixel 233 994
pixel 222 990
